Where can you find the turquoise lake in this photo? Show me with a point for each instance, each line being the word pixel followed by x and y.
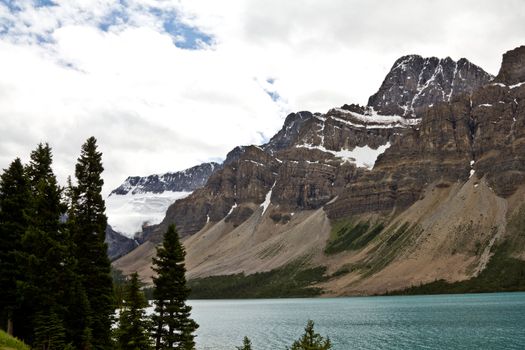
pixel 468 321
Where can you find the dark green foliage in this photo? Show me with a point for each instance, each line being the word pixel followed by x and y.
pixel 49 332
pixel 347 236
pixel 46 205
pixel 343 270
pixel 172 326
pixel 311 340
pixel 45 258
pixel 290 281
pixel 45 295
pixel 133 324
pixel 246 344
pixel 77 319
pixel 14 203
pixel 120 285
pixel 88 223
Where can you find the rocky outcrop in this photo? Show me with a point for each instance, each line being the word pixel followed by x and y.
pixel 438 149
pixel 498 125
pixel 287 136
pixel 415 83
pixel 513 67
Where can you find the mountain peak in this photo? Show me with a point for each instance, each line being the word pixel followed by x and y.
pixel 512 69
pixel 415 83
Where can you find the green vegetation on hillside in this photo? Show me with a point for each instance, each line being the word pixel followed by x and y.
pixel 292 280
pixel 9 343
pixel 503 273
pixel 346 235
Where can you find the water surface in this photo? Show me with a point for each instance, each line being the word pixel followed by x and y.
pixel 468 321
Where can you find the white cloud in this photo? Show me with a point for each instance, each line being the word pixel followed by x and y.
pixel 156 107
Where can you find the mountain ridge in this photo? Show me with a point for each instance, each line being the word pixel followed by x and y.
pixel 271 205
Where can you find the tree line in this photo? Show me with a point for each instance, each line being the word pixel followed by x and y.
pixel 57 292
pixel 55 277
pixel 56 284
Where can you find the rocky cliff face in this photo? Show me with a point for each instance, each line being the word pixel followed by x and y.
pixel 415 83
pixel 314 157
pixel 512 70
pixel 435 163
pixel 477 133
pixel 303 167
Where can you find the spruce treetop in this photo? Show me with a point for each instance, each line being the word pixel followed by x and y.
pixel 39 167
pixel 14 193
pixel 246 344
pixel 311 340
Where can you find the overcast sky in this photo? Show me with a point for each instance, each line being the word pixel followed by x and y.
pixel 165 85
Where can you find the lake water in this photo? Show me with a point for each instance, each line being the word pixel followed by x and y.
pixel 468 321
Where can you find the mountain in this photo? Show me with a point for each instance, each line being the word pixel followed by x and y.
pixel 181 181
pixel 139 203
pixel 425 183
pixel 118 244
pixel 415 83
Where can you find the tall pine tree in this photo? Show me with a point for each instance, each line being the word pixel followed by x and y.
pixel 88 222
pixel 45 259
pixel 132 333
pixel 78 317
pixel 173 327
pixel 14 203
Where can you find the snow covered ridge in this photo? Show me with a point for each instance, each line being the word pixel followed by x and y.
pixel 362 157
pixel 372 120
pixel 185 180
pixel 509 86
pixel 128 213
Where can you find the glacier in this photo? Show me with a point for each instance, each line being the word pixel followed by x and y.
pixel 128 213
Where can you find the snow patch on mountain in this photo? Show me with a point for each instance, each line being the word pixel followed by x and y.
pixel 128 213
pixel 373 120
pixel 267 200
pixel 362 157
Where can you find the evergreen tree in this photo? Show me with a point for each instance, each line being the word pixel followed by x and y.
pixel 77 318
pixel 44 257
pixel 133 325
pixel 311 340
pixel 14 203
pixel 49 332
pixel 173 327
pixel 246 344
pixel 88 222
